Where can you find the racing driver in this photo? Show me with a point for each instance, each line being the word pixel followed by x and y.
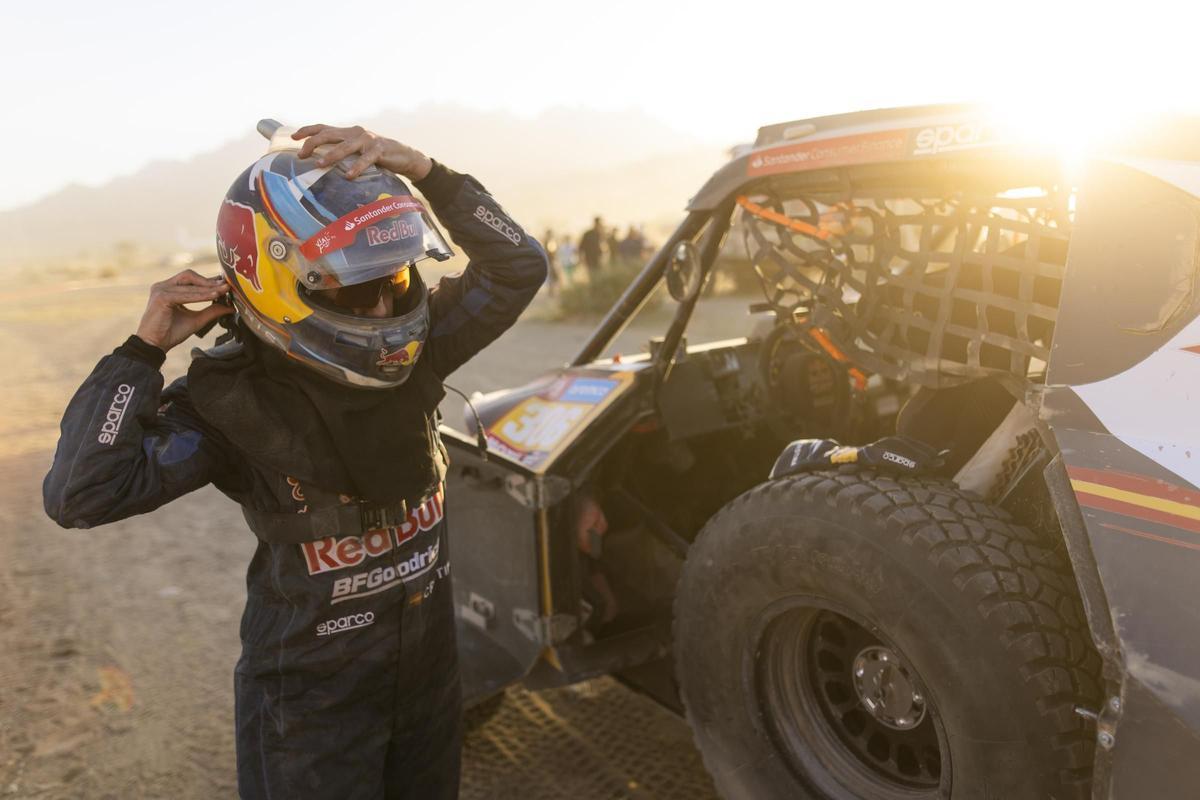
pixel 317 412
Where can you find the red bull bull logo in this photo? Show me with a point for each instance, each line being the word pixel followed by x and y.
pixel 402 356
pixel 237 244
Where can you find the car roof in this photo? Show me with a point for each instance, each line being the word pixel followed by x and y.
pixel 811 128
pixel 938 132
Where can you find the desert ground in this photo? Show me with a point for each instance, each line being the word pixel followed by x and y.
pixel 117 645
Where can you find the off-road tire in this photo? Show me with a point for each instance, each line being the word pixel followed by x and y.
pixel 985 611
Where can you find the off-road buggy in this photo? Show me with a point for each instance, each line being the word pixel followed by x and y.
pixel 973 571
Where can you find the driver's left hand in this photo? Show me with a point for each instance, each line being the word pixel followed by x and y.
pixel 371 147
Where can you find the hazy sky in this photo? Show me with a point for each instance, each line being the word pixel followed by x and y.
pixel 92 90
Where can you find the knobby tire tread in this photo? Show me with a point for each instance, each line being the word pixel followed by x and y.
pixel 1011 575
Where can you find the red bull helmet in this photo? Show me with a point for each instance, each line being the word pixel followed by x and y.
pixel 288 231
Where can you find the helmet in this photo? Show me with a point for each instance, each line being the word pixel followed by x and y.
pixel 287 228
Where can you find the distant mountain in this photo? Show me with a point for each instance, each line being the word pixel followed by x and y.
pixel 556 169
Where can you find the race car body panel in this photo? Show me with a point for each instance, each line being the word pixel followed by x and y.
pixel 1121 398
pixel 513 606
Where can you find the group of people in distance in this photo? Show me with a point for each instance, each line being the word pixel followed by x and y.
pixel 601 246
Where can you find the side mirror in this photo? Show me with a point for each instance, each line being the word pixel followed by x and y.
pixel 683 273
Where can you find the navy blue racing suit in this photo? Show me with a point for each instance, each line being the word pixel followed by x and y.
pixel 347 685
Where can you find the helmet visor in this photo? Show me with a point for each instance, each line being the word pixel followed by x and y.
pixel 368 293
pixel 373 241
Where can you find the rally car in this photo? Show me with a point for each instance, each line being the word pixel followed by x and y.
pixel 931 528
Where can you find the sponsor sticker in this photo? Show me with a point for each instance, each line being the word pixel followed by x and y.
pixel 401 355
pixel 297 495
pixel 538 424
pixel 237 243
pixel 342 232
pixel 588 390
pixel 835 152
pixel 115 415
pixel 346 623
pixel 948 138
pixel 334 553
pixel 497 223
pixel 393 232
pixel 896 458
pixel 388 576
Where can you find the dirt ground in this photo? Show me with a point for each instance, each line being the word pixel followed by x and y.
pixel 117 645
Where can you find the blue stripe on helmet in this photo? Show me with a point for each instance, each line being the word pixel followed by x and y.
pixel 294 215
pixel 308 195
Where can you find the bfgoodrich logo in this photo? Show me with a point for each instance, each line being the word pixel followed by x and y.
pixel 116 413
pixel 381 579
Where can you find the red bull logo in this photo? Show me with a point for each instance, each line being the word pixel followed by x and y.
pixel 342 232
pixel 237 244
pixel 334 553
pixel 393 232
pixel 402 356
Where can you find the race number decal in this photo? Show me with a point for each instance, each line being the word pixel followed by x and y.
pixel 538 425
pixel 549 418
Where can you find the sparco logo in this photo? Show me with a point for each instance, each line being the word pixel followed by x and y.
pixel 907 463
pixel 498 224
pixel 946 138
pixel 116 413
pixel 346 623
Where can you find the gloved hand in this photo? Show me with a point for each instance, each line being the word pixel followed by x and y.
pixel 901 455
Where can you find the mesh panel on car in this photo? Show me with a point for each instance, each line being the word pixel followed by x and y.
pixel 934 287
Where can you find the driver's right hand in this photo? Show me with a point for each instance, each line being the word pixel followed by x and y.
pixel 166 322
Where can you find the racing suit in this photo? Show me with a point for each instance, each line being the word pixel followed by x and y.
pixel 347 685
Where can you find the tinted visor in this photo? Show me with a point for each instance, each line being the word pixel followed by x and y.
pixel 366 295
pixel 362 295
pixel 372 242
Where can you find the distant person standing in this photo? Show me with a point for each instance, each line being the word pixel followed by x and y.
pixel 554 273
pixel 612 246
pixel 591 247
pixel 632 246
pixel 568 258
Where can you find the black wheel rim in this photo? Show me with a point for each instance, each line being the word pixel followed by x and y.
pixel 846 707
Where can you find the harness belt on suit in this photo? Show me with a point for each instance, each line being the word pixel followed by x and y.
pixel 349 519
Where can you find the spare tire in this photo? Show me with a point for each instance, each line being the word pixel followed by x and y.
pixel 849 635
